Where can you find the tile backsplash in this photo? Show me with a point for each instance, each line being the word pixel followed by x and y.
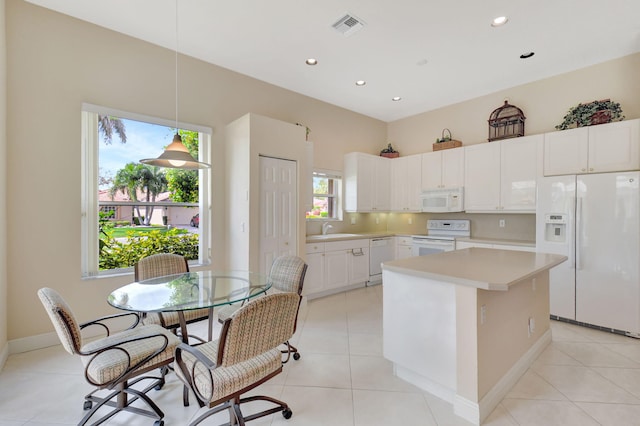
pixel 519 227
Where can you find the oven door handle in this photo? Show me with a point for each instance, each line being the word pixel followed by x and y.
pixel 433 243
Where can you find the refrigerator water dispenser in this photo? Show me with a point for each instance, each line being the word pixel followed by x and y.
pixel 555 227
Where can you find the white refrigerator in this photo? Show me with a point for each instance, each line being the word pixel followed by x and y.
pixel 593 219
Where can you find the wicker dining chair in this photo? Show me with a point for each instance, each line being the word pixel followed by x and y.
pixel 115 362
pixel 287 276
pixel 161 264
pixel 245 356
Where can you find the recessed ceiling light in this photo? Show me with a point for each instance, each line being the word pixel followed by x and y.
pixel 360 83
pixel 500 20
pixel 311 61
pixel 396 98
pixel 527 55
pixel 422 62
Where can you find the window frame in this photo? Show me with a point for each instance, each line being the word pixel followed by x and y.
pixel 89 187
pixel 336 195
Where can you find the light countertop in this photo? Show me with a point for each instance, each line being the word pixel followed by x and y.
pixel 344 236
pixel 498 241
pixel 487 269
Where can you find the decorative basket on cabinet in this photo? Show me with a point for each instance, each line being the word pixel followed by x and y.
pixel 446 141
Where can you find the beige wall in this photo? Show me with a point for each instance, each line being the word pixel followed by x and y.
pixel 55 64
pixel 544 103
pixel 3 186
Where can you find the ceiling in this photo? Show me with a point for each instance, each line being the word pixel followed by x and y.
pixel 430 53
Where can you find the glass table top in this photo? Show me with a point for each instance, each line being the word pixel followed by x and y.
pixel 191 290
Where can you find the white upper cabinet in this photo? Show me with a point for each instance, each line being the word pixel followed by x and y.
pixel 405 183
pixel 443 169
pixel 381 184
pixel 366 183
pixel 520 168
pixel 594 149
pixel 482 177
pixel 501 176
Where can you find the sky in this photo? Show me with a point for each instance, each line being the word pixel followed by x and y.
pixel 144 140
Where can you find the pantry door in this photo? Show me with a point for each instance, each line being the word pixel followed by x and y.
pixel 278 207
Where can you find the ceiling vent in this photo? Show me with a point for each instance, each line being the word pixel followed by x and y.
pixel 348 25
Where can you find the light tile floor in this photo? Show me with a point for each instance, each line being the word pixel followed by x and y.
pixel 585 377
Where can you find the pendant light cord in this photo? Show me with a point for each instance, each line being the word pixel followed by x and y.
pixel 176 60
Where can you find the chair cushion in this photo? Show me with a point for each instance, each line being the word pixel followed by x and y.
pixel 109 365
pixel 224 381
pixel 171 319
pixel 286 273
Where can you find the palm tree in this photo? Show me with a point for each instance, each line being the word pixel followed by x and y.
pixel 108 125
pixel 153 181
pixel 127 180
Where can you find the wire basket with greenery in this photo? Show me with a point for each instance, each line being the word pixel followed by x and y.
pixel 592 113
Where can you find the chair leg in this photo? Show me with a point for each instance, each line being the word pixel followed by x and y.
pixel 281 406
pixel 211 412
pixel 290 350
pixel 120 402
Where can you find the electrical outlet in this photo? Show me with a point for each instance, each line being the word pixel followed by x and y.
pixel 410 220
pixel 532 326
pixel 483 314
pixel 353 220
pixel 502 223
pixel 377 221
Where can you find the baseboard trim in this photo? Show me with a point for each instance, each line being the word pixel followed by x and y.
pixel 335 291
pixel 4 355
pixel 425 383
pixel 476 413
pixel 32 343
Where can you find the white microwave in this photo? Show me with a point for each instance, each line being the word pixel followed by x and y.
pixel 442 200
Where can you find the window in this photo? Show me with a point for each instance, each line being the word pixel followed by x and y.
pixel 131 210
pixel 327 190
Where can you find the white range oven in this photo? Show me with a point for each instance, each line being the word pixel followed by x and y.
pixel 441 236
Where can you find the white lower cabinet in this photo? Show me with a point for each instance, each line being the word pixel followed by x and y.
pixel 403 247
pixel 336 266
pixel 336 269
pixel 467 244
pixel 314 278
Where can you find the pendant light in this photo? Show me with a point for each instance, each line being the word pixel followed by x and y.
pixel 176 155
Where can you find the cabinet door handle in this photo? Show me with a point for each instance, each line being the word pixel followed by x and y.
pixel 359 252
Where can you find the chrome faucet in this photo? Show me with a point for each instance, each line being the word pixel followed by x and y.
pixel 325 228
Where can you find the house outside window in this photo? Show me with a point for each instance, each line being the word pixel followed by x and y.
pixel 131 210
pixel 327 196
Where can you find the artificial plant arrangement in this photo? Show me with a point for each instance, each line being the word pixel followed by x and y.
pixel 592 113
pixel 389 152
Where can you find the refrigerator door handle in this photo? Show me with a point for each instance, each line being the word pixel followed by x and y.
pixel 572 236
pixel 578 232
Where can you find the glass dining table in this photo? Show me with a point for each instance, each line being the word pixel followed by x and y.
pixel 188 291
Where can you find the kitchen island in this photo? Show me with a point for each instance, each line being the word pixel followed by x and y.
pixel 465 325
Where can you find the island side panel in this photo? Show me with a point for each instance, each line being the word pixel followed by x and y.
pixel 504 338
pixel 419 331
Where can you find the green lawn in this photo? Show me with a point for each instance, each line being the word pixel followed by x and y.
pixel 121 231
